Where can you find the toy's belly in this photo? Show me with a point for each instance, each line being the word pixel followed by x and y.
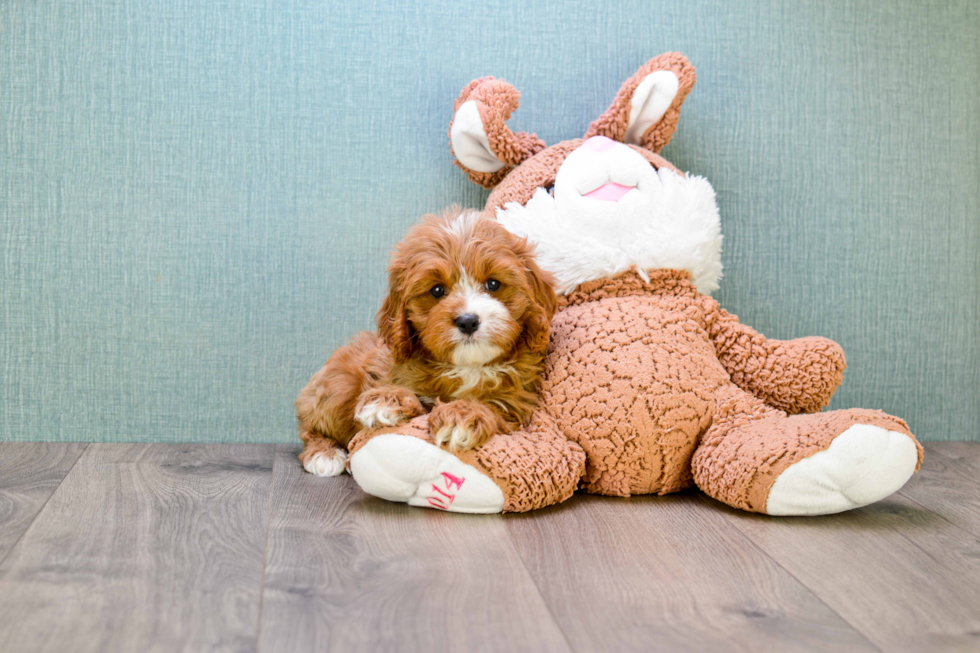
pixel 634 384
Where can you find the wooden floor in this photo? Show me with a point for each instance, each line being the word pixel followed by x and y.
pixel 233 547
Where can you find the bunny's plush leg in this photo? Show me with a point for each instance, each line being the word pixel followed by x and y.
pixel 760 459
pixel 523 470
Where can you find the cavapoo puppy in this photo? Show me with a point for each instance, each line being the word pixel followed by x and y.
pixel 462 334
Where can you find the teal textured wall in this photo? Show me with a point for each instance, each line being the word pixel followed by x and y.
pixel 198 197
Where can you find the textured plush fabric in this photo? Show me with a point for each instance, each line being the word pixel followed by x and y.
pixel 750 444
pixel 197 199
pixel 640 371
pixel 641 377
pixel 632 377
pixel 658 385
pixel 496 100
pixel 614 121
pixel 534 467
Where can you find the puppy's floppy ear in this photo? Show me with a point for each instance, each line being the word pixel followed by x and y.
pixel 537 323
pixel 393 325
pixel 481 142
pixel 648 105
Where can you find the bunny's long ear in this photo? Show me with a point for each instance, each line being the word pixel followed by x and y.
pixel 481 142
pixel 648 105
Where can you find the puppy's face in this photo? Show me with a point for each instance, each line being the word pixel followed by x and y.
pixel 464 291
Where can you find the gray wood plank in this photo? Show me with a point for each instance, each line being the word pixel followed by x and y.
pixel 905 577
pixel 348 572
pixel 947 487
pixel 667 574
pixel 966 454
pixel 143 548
pixel 29 474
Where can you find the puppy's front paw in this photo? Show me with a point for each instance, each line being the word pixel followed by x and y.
pixel 387 406
pixel 322 456
pixel 463 424
pixel 326 464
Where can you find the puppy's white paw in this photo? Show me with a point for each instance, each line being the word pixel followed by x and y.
pixel 377 414
pixel 462 424
pixel 456 435
pixel 323 464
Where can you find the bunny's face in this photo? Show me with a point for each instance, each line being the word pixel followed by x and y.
pixel 596 206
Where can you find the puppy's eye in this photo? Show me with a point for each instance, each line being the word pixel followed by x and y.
pixel 492 285
pixel 438 291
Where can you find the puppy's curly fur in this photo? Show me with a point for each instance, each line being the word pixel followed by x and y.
pixel 462 332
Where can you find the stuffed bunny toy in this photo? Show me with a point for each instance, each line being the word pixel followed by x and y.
pixel 650 386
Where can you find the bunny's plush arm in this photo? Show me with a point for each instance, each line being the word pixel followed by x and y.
pixel 797 376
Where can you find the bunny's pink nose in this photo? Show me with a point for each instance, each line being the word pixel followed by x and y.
pixel 599 143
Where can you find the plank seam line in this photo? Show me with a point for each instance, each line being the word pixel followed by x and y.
pixel 748 539
pixel 265 551
pixel 958 463
pixel 544 601
pixel 946 519
pixel 45 504
pixel 957 471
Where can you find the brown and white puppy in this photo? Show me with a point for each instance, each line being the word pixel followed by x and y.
pixel 462 333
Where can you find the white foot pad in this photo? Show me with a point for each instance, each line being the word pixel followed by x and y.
pixel 323 464
pixel 862 465
pixel 406 469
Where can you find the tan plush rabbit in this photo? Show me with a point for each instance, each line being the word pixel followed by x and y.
pixel 650 386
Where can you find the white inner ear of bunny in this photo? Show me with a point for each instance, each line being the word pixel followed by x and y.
pixel 470 142
pixel 650 102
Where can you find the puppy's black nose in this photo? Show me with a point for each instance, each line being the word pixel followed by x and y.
pixel 468 323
